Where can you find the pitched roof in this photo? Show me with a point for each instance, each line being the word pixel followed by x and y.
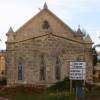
pixel 50 12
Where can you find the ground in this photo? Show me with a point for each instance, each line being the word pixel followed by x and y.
pixel 59 91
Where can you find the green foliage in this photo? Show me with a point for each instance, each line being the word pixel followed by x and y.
pixel 89 87
pixel 98 60
pixel 3 81
pixel 42 96
pixel 92 90
pixel 2 94
pixel 77 83
pixel 61 85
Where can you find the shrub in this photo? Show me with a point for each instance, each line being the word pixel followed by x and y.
pixel 3 81
pixel 61 85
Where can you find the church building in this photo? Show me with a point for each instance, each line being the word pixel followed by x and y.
pixel 41 50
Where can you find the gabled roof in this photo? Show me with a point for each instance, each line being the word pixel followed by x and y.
pixel 45 7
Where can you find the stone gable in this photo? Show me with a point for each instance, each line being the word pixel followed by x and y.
pixel 34 27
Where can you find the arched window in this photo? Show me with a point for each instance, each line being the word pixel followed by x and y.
pixel 42 69
pixel 58 69
pixel 20 69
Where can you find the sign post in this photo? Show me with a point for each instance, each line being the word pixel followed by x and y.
pixel 70 87
pixel 77 72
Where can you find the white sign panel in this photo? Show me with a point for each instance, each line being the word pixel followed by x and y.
pixel 77 70
pixel 77 65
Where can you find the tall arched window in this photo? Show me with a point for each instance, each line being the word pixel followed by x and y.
pixel 58 69
pixel 42 68
pixel 20 69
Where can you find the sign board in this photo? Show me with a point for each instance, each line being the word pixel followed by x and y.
pixel 77 70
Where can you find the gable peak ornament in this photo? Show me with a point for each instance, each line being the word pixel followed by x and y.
pixel 45 6
pixel 10 30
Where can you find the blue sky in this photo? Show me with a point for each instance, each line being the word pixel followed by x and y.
pixel 85 13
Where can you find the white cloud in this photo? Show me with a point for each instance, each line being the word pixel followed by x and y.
pixel 95 37
pixel 98 33
pixel 98 39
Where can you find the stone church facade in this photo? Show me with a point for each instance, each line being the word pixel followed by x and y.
pixel 41 50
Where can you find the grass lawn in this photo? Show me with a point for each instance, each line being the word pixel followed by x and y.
pixel 59 91
pixel 42 96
